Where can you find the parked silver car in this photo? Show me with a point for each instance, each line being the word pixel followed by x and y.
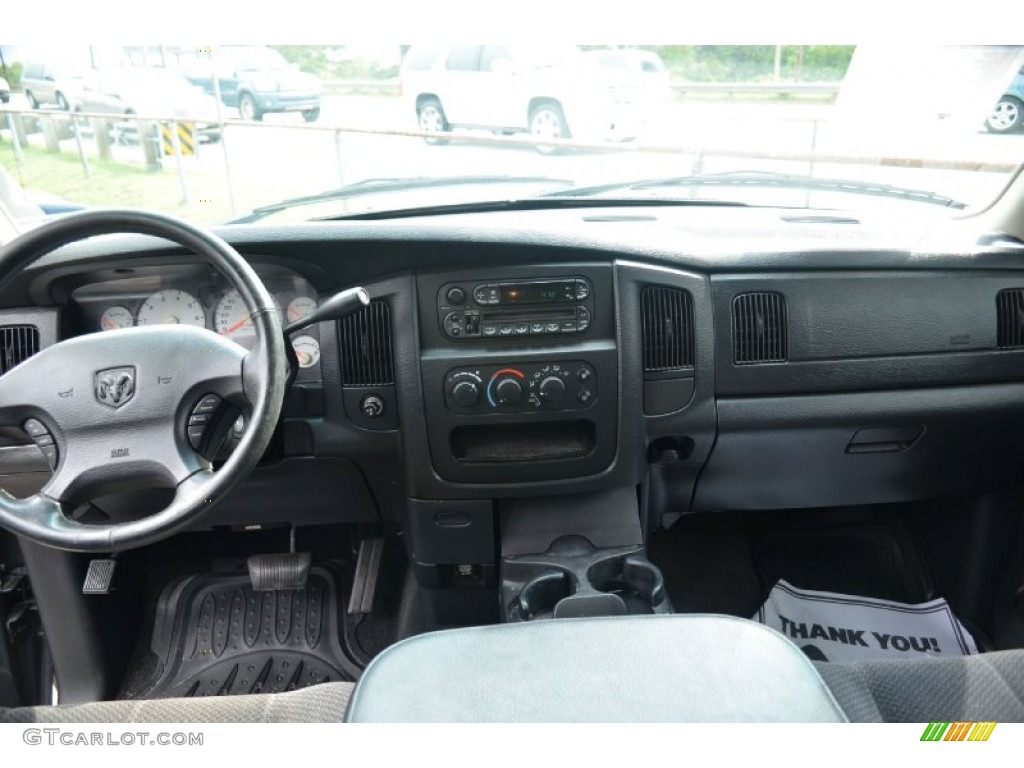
pixel 54 84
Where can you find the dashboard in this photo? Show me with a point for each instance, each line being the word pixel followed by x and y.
pixel 710 359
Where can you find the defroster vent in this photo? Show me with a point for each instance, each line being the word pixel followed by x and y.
pixel 1010 318
pixel 366 356
pixel 17 344
pixel 759 328
pixel 668 329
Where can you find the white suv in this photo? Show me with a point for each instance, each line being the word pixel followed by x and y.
pixel 547 92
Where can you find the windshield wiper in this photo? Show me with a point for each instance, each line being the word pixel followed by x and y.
pixel 765 179
pixel 390 185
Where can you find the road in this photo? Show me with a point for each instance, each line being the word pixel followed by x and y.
pixel 280 158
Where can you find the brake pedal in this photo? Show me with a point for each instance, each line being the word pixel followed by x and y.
pixel 364 583
pixel 99 577
pixel 270 573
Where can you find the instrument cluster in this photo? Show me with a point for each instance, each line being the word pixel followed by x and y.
pixel 205 301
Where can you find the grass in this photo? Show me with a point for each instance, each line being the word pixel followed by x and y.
pixel 117 184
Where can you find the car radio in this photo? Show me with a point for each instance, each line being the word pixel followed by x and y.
pixel 510 309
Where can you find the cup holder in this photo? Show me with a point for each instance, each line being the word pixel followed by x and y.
pixel 539 596
pixel 587 582
pixel 634 578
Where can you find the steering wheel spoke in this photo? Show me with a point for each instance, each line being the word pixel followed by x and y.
pixel 117 406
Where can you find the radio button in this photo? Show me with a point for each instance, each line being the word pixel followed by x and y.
pixel 490 329
pixel 493 294
pixel 582 290
pixel 582 318
pixel 552 327
pixel 480 294
pixel 569 326
pixel 505 329
pixel 536 327
pixel 521 329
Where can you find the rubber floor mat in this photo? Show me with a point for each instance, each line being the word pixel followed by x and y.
pixel 214 635
pixel 870 559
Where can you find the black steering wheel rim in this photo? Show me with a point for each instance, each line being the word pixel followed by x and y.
pixel 261 382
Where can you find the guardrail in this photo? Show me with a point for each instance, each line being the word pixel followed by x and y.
pixel 778 89
pixel 53 121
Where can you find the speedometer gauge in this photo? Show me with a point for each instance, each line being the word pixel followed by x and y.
pixel 172 307
pixel 231 318
pixel 116 317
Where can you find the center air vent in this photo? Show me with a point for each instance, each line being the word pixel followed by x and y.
pixel 667 315
pixel 1010 318
pixel 366 359
pixel 759 328
pixel 17 344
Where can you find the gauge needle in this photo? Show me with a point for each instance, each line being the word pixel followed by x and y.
pixel 234 326
pixel 294 314
pixel 112 326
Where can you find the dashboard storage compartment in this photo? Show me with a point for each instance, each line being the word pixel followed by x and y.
pixel 523 442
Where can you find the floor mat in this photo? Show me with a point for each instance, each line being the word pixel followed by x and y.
pixel 868 558
pixel 214 635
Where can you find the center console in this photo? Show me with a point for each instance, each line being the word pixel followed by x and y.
pixel 519 371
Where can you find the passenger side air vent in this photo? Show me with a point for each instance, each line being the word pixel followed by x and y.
pixel 17 344
pixel 759 328
pixel 667 315
pixel 366 358
pixel 1010 318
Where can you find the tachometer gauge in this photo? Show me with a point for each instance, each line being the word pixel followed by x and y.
pixel 307 350
pixel 116 317
pixel 300 307
pixel 172 307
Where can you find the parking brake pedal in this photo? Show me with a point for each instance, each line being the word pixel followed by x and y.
pixel 364 583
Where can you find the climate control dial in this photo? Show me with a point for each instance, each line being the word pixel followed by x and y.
pixel 506 387
pixel 521 387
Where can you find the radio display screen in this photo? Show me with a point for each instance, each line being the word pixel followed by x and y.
pixel 537 293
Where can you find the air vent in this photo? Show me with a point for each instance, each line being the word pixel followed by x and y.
pixel 668 329
pixel 1010 318
pixel 366 358
pixel 759 328
pixel 17 344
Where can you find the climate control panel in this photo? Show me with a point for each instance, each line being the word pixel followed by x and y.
pixel 521 387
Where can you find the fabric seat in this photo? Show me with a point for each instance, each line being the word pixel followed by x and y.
pixel 989 686
pixel 324 703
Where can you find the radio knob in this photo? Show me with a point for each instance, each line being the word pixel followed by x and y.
pixel 466 394
pixel 551 389
pixel 508 391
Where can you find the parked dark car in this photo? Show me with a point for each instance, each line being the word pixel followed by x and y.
pixel 1008 113
pixel 258 80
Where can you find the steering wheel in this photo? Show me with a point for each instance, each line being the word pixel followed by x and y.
pixel 118 403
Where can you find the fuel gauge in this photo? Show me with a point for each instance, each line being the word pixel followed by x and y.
pixel 307 350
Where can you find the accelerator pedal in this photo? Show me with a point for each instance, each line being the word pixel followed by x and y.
pixel 364 583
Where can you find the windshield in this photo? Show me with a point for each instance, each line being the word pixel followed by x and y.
pixel 300 132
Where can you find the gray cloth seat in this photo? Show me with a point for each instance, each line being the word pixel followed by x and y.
pixel 989 686
pixel 324 703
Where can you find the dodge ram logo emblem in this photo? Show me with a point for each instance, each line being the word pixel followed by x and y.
pixel 115 386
